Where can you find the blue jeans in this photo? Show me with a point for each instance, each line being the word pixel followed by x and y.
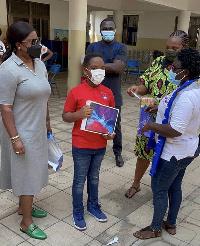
pixel 117 141
pixel 87 163
pixel 166 184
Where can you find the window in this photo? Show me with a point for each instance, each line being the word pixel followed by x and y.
pixel 130 29
pixel 37 14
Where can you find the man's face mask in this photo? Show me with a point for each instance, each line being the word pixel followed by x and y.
pixel 171 55
pixel 108 36
pixel 98 76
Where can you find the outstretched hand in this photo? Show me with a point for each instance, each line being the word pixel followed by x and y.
pixel 131 89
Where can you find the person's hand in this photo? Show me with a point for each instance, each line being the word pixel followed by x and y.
pixel 145 128
pixel 109 136
pixel 152 109
pixel 85 112
pixel 18 147
pixel 133 88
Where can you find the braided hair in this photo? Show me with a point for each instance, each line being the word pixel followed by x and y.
pixel 184 40
pixel 16 32
pixel 190 59
pixel 183 35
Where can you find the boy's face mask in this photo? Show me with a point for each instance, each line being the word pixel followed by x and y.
pixel 98 76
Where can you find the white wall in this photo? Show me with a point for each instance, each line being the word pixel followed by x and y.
pixel 99 16
pixel 3 15
pixel 59 17
pixel 107 4
pixel 156 24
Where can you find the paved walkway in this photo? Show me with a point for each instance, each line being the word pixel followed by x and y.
pixel 125 215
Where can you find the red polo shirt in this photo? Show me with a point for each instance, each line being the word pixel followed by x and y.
pixel 76 99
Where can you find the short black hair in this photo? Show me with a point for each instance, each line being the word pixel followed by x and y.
pixel 157 53
pixel 190 59
pixel 0 31
pixel 88 57
pixel 105 20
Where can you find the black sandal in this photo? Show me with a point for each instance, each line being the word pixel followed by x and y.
pixel 171 229
pixel 130 189
pixel 154 233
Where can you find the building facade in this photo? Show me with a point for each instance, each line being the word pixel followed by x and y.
pixel 141 24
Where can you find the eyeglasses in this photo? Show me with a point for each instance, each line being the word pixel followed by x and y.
pixel 176 68
pixel 32 41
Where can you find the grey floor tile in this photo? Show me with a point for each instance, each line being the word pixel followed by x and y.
pixel 124 215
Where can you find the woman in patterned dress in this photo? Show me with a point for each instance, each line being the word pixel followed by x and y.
pixel 155 82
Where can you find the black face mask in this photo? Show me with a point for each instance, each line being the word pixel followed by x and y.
pixel 34 51
pixel 171 55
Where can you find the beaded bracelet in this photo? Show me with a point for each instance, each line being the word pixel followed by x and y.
pixel 13 138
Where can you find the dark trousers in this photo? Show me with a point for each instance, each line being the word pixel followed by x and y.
pixel 166 185
pixel 87 164
pixel 117 141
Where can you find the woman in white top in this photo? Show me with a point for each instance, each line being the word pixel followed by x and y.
pixel 176 129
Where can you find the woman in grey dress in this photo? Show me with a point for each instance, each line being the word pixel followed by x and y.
pixel 24 93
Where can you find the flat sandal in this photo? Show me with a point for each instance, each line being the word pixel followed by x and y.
pixel 129 190
pixel 171 229
pixel 154 233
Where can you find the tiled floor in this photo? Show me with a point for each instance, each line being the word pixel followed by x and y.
pixel 124 215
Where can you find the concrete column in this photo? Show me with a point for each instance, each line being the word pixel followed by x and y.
pixel 77 39
pixel 184 20
pixel 3 18
pixel 118 19
pixel 92 30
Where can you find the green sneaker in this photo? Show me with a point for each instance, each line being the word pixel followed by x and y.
pixel 35 232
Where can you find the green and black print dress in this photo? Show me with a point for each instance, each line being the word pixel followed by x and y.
pixel 156 80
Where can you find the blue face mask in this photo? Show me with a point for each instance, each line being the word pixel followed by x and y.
pixel 108 36
pixel 172 77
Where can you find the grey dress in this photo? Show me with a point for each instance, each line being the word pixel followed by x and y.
pixel 28 92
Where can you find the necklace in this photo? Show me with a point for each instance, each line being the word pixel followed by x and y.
pixel 29 69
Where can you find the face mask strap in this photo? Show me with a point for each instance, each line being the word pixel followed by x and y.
pixel 179 73
pixel 24 45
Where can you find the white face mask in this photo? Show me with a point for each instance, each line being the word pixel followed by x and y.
pixel 98 76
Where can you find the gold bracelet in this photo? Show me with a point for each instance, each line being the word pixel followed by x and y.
pixel 13 138
pixel 14 141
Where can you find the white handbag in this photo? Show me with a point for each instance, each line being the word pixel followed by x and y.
pixel 55 155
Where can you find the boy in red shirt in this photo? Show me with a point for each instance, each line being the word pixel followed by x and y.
pixel 88 148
